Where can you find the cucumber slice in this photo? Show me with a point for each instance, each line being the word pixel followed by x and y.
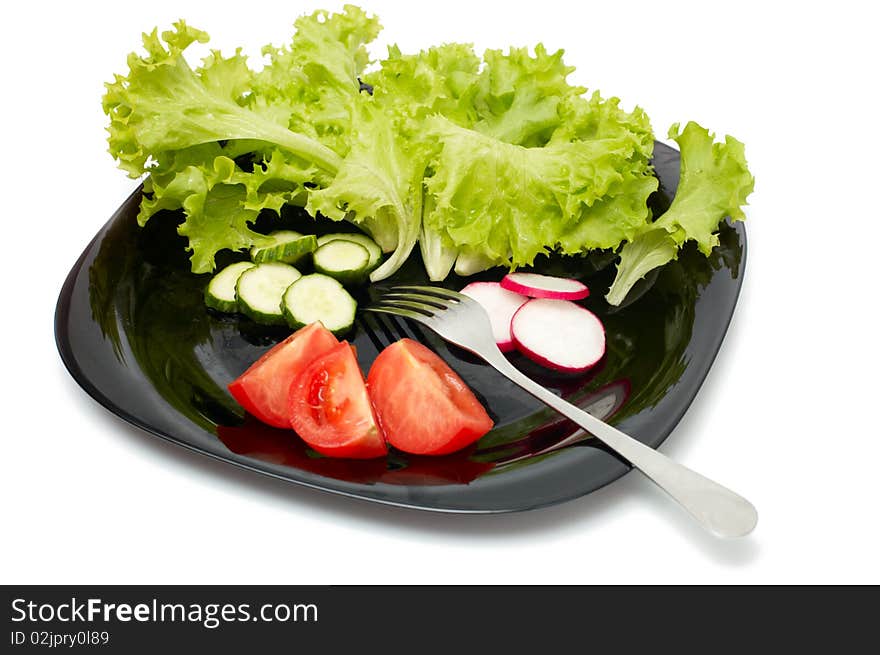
pixel 259 291
pixel 220 292
pixel 344 260
pixel 317 297
pixel 287 246
pixel 361 239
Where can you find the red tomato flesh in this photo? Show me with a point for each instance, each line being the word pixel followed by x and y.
pixel 422 405
pixel 264 388
pixel 330 409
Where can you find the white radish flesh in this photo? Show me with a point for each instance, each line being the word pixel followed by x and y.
pixel 500 304
pixel 545 286
pixel 558 334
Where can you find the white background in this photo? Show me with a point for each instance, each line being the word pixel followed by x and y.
pixel 786 417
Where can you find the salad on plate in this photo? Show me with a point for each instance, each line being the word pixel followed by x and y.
pixel 469 162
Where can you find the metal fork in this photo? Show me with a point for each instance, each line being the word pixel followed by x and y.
pixel 462 321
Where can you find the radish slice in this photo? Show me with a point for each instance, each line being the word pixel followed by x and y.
pixel 558 334
pixel 545 286
pixel 500 304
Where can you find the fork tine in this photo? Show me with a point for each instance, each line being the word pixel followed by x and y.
pixel 396 311
pixel 427 310
pixel 437 291
pixel 373 333
pixel 434 301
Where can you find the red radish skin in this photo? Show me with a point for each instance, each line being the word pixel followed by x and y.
pixel 558 334
pixel 534 285
pixel 500 304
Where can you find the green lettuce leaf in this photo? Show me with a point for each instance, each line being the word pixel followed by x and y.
pixel 223 143
pixel 163 104
pixel 623 211
pixel 378 187
pixel 221 201
pixel 314 81
pixel 511 203
pixel 588 119
pixel 525 100
pixel 439 252
pixel 441 81
pixel 485 162
pixel 615 218
pixel 714 183
pixel 520 95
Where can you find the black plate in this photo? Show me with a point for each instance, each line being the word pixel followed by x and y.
pixel 133 331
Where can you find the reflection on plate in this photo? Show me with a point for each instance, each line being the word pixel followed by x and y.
pixel 133 331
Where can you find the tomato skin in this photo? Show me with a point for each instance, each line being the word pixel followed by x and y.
pixel 263 389
pixel 422 405
pixel 329 407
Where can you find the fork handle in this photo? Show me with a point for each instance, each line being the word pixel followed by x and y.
pixel 716 508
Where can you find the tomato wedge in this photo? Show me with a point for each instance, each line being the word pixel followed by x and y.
pixel 264 388
pixel 330 409
pixel 422 405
